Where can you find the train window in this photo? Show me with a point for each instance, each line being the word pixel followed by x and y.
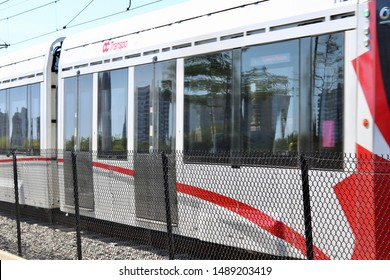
pixel 207 101
pixel 270 97
pixel 279 98
pixel 78 113
pixel 3 121
pixel 165 93
pixel 143 79
pixel 328 93
pixel 20 118
pixel 112 113
pixel 155 93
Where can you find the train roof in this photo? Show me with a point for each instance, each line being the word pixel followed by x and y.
pixel 26 63
pixel 270 10
pixel 171 28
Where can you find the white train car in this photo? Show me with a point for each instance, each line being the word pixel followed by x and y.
pixel 28 112
pixel 224 78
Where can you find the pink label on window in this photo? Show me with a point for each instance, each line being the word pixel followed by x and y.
pixel 328 134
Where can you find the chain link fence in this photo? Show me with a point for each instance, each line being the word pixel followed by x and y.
pixel 176 205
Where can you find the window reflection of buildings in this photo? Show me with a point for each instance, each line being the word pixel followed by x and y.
pixel 19 128
pixel 165 101
pixel 105 103
pixel 4 129
pixel 3 122
pixel 164 114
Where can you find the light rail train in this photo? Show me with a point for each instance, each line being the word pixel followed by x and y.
pixel 221 77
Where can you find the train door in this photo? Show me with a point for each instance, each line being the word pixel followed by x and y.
pixel 155 87
pixel 78 137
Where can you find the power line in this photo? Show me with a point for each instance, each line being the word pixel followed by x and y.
pixel 114 14
pixel 30 10
pixel 36 37
pixel 14 5
pixel 4 2
pixel 86 22
pixel 78 14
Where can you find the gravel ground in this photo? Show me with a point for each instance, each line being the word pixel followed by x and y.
pixel 42 241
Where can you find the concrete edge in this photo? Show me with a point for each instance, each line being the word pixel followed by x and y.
pixel 8 256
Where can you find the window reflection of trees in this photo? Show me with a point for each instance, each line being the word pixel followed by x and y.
pixel 265 95
pixel 208 92
pixel 269 98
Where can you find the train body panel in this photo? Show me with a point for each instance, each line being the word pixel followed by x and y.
pixel 227 78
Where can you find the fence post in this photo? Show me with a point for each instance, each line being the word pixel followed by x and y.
pixel 307 207
pixel 76 205
pixel 168 206
pixel 17 208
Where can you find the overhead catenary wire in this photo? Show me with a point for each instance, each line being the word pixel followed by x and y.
pixel 4 2
pixel 78 14
pixel 14 5
pixel 86 22
pixel 114 14
pixel 29 10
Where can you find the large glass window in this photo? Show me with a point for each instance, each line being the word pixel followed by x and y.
pixel 283 98
pixel 155 91
pixel 112 113
pixel 328 93
pixel 270 92
pixel 20 118
pixel 143 79
pixel 164 103
pixel 78 113
pixel 207 102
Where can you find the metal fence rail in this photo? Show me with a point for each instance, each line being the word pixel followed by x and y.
pixel 198 205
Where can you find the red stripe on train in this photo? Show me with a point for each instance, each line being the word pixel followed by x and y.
pixel 26 159
pixel 114 168
pixel 263 220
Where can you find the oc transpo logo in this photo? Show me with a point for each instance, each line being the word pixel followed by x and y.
pixel 384 15
pixel 112 46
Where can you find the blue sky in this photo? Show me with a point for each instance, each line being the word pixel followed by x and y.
pixel 28 22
